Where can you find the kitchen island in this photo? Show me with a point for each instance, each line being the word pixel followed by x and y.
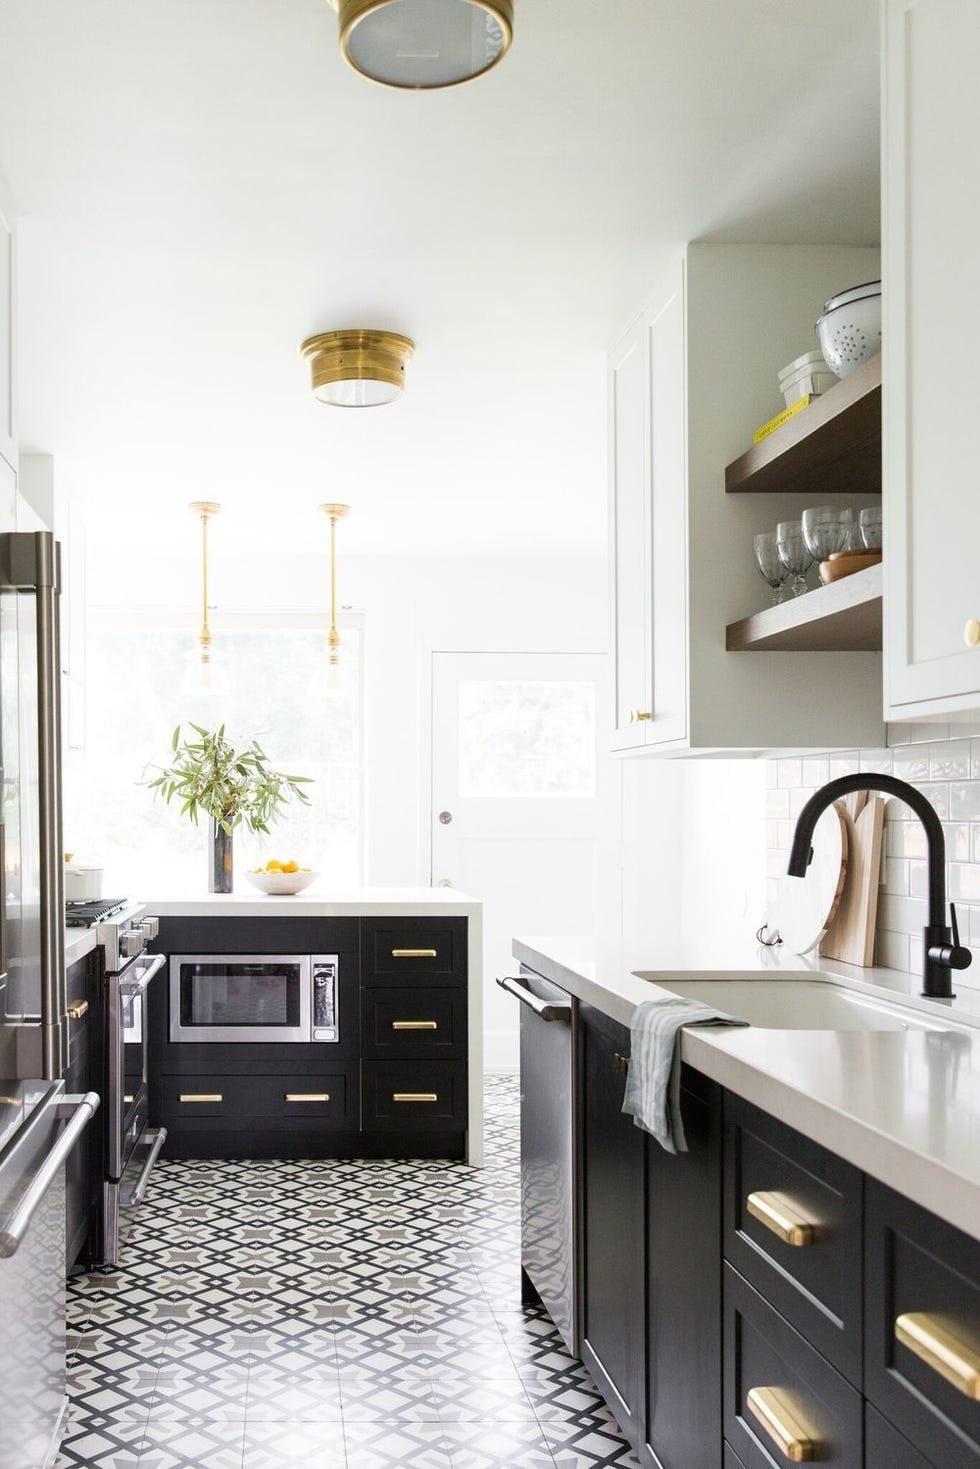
pixel 803 1283
pixel 340 1026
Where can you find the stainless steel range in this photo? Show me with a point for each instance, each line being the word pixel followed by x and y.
pixel 131 1148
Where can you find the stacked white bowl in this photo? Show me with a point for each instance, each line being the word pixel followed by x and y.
pixel 806 374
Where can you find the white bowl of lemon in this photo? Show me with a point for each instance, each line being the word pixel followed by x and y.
pixel 281 879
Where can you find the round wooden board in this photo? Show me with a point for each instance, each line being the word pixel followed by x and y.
pixel 806 906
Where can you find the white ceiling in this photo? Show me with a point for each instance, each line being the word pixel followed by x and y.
pixel 203 183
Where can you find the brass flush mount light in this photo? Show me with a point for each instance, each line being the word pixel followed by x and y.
pixel 358 369
pixel 424 44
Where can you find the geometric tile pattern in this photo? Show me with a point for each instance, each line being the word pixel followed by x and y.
pixel 348 1314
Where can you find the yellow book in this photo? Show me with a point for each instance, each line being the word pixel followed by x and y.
pixel 780 419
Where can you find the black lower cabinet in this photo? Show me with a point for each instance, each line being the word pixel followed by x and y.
pixel 732 1461
pixel 682 1386
pixel 922 1328
pixel 885 1448
pixel 84 1165
pixel 783 1402
pixel 611 1235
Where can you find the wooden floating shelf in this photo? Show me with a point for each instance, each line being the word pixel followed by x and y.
pixel 844 617
pixel 832 447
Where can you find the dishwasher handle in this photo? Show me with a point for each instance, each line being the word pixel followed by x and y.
pixel 544 1009
pixel 80 1110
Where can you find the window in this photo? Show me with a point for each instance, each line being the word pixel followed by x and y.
pixel 279 694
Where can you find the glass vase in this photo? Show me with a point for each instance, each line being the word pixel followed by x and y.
pixel 221 873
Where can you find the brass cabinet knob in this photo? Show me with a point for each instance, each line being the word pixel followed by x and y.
pixel 784 1423
pixel 75 1012
pixel 944 1346
pixel 971 633
pixel 780 1215
pixel 637 716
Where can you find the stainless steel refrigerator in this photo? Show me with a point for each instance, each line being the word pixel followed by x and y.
pixel 39 1125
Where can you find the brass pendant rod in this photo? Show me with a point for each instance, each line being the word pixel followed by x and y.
pixel 205 509
pixel 334 513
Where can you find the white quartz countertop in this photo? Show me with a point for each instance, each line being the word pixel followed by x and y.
pixel 347 903
pixel 78 943
pixel 904 1106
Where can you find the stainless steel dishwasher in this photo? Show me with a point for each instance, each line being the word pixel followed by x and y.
pixel 548 1202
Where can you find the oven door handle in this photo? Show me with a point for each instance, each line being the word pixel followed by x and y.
pixel 131 988
pixel 79 1110
pixel 158 1139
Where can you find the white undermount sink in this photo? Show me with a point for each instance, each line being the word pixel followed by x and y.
pixel 799 1004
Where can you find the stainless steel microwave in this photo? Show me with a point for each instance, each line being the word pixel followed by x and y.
pixel 253 997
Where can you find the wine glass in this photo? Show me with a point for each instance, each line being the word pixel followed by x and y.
pixel 770 564
pixel 826 529
pixel 794 553
pixel 870 524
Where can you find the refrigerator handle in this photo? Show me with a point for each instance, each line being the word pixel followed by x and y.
pixel 32 564
pixel 79 1109
pixel 54 993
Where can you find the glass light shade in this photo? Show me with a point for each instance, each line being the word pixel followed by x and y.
pixel 424 44
pixel 204 677
pixel 357 392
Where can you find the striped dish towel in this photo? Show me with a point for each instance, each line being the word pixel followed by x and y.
pixel 653 1082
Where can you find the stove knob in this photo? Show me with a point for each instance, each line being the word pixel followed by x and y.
pixel 131 942
pixel 150 928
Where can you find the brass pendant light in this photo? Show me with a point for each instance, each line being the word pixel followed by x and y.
pixel 333 513
pixel 358 368
pixel 424 44
pixel 204 674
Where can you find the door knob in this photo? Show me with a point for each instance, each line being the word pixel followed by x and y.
pixel 445 817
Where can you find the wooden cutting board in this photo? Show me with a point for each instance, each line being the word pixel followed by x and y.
pixel 851 936
pixel 806 906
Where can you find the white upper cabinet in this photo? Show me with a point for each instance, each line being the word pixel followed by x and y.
pixel 931 226
pixel 689 381
pixel 7 448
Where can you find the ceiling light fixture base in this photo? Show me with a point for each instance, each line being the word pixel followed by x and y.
pixel 424 45
pixel 357 368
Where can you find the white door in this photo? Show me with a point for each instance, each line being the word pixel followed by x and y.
pixel 517 789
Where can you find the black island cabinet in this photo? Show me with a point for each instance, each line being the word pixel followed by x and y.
pixel 391 1081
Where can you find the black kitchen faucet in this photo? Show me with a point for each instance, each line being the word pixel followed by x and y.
pixel 943 951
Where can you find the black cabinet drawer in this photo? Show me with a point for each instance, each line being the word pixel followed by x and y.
pixel 919 1267
pixel 798 1395
pixel 413 950
pixel 413 1021
pixel 732 1461
pixel 884 1448
pixel 793 1229
pixel 329 1097
pixel 417 1095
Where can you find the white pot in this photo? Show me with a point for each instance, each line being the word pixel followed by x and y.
pixel 82 884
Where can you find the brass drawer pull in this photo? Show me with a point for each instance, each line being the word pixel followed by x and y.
pixel 935 1342
pixel 637 716
pixel 415 1096
pixel 201 1097
pixel 307 1096
pixel 780 1215
pixel 415 953
pixel 75 1012
pixel 127 1097
pixel 784 1424
pixel 415 1025
pixel 621 1064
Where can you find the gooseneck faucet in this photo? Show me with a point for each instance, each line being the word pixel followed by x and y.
pixel 943 951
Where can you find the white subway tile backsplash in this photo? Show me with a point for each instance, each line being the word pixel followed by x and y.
pixel 797 800
pixel 777 803
pixel 964 882
pixel 911 762
pixel 878 762
pixel 964 800
pixel 790 772
pixel 848 763
pixel 896 876
pixel 815 771
pixel 892 949
pixel 939 796
pixel 906 838
pixel 902 915
pixel 957 841
pixel 950 760
pixel 918 878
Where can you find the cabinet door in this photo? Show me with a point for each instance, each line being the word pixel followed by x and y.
pixel 648 532
pixel 7 449
pixel 629 378
pixel 682 1410
pixel 931 370
pixel 611 1254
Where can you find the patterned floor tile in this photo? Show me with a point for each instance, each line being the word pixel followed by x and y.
pixel 346 1314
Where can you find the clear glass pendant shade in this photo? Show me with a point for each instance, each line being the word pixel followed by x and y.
pixel 204 677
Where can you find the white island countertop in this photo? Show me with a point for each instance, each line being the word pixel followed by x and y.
pixel 318 902
pixel 904 1106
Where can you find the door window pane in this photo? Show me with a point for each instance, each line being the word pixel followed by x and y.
pixel 527 737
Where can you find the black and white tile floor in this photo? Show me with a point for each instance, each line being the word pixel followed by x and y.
pixel 336 1315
